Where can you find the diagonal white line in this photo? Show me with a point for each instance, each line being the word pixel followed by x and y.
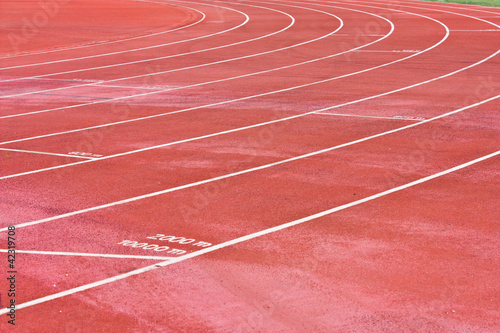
pixel 149 195
pixel 247 237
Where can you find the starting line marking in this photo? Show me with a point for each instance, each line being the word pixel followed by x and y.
pixel 247 237
pixel 410 118
pixel 103 255
pixel 45 153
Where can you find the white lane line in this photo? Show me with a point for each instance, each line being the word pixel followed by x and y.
pixel 120 52
pixel 201 84
pixel 409 118
pixel 100 83
pixel 250 236
pixel 292 22
pixel 278 120
pixel 269 122
pixel 81 254
pixel 256 125
pixel 203 16
pixel 46 153
pixel 229 101
pixel 174 55
pixel 242 172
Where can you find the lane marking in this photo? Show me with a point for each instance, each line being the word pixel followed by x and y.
pixel 120 52
pixel 82 254
pixel 261 124
pixel 199 84
pixel 279 120
pixel 409 118
pixel 99 83
pixel 234 100
pixel 238 173
pixel 89 286
pixel 174 55
pixel 203 16
pixel 46 153
pixel 249 236
pixel 300 115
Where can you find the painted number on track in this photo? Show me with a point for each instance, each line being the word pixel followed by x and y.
pixel 154 247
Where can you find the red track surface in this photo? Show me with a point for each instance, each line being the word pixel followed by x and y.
pixel 339 160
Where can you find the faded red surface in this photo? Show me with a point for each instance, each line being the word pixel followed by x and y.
pixel 164 112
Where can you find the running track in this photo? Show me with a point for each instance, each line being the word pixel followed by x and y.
pixel 319 166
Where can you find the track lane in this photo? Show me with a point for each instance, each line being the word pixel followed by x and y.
pixel 195 59
pixel 159 81
pixel 474 85
pixel 180 49
pixel 278 82
pixel 38 204
pixel 247 59
pixel 263 232
pixel 304 269
pixel 471 148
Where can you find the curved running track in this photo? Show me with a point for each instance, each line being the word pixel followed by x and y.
pixel 251 166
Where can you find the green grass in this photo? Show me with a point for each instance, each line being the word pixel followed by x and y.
pixel 491 3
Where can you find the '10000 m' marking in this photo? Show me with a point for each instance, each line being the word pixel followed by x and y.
pixel 154 247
